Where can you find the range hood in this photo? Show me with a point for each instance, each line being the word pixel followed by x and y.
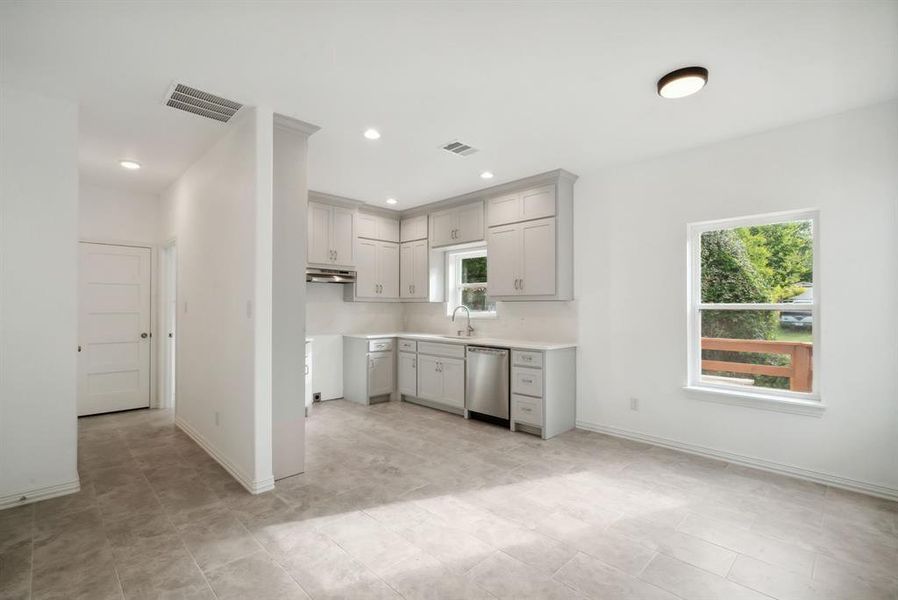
pixel 317 275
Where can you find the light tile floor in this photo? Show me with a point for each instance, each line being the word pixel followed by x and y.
pixel 400 501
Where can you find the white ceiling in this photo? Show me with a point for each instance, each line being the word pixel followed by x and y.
pixel 534 86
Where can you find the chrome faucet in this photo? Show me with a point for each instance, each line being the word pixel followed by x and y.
pixel 469 329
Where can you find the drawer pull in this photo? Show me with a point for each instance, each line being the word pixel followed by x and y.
pixel 527 380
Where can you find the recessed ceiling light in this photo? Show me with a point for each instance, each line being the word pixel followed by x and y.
pixel 372 134
pixel 130 164
pixel 486 175
pixel 391 200
pixel 682 82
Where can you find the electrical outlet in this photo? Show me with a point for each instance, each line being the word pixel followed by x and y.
pixel 217 418
pixel 634 404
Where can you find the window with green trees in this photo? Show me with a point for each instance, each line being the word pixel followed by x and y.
pixel 467 282
pixel 754 317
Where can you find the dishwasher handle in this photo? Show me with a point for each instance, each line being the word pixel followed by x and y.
pixel 485 350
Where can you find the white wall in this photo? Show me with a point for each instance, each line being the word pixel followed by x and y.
pixel 113 215
pixel 631 275
pixel 537 321
pixel 38 303
pixel 213 212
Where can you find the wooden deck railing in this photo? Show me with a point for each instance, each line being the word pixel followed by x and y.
pixel 799 370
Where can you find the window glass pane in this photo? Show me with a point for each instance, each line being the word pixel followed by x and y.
pixel 473 270
pixel 758 264
pixel 758 348
pixel 475 299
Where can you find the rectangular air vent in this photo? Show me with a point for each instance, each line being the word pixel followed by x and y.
pixel 204 104
pixel 459 148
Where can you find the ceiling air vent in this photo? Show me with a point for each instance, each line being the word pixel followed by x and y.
pixel 459 148
pixel 204 104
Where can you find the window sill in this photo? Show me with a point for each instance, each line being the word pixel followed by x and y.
pixel 797 406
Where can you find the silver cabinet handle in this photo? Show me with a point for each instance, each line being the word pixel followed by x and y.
pixel 526 409
pixel 522 285
pixel 527 357
pixel 527 380
pixel 336 255
pixel 516 284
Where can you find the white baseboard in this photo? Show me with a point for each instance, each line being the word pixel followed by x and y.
pixel 844 483
pixel 38 494
pixel 253 487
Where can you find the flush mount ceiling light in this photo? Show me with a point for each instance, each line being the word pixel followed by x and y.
pixel 391 200
pixel 372 134
pixel 486 175
pixel 682 82
pixel 131 165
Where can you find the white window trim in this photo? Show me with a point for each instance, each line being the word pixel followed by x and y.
pixel 765 398
pixel 453 287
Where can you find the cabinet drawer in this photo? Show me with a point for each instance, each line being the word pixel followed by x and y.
pixel 380 345
pixel 527 359
pixel 408 346
pixel 451 350
pixel 527 381
pixel 526 410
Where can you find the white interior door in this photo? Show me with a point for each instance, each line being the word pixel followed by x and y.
pixel 113 328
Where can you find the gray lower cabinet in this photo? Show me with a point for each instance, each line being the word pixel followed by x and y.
pixel 408 373
pixel 369 370
pixel 442 380
pixel 543 391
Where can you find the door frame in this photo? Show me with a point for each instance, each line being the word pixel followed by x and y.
pixel 163 357
pixel 153 304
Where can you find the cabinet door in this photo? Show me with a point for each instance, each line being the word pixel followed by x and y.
pixel 319 223
pixel 537 258
pixel 503 248
pixel 538 203
pixel 387 229
pixel 470 223
pixel 366 272
pixel 503 210
pixel 420 270
pixel 430 380
pixel 453 372
pixel 380 374
pixel 408 376
pixel 442 226
pixel 413 228
pixel 342 237
pixel 367 226
pixel 388 269
pixel 406 269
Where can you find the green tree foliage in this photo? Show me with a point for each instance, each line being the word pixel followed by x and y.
pixel 782 254
pixel 729 275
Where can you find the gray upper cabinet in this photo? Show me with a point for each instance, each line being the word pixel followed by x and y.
pixel 457 225
pixel 413 228
pixel 526 205
pixel 377 227
pixel 413 270
pixel 330 233
pixel 530 241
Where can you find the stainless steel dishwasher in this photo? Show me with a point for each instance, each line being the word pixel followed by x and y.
pixel 486 386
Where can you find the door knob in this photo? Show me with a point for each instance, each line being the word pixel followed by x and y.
pixel 144 335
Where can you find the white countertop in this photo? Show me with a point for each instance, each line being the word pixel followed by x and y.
pixel 470 341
